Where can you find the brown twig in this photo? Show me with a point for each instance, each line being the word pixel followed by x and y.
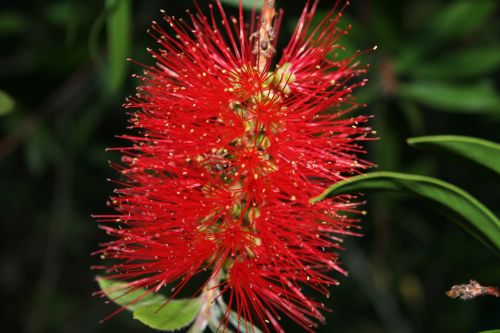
pixel 472 290
pixel 265 36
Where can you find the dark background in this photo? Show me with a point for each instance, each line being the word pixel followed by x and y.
pixel 61 91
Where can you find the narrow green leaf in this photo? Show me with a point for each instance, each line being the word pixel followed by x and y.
pixel 121 294
pixel 119 40
pixel 491 331
pixel 467 63
pixel 6 103
pixel 238 322
pixel 247 4
pixel 387 151
pixel 243 325
pixel 42 149
pixel 462 17
pixel 478 98
pixel 413 116
pixel 482 152
pixel 472 214
pixel 174 315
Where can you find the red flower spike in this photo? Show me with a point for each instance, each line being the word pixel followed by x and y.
pixel 228 155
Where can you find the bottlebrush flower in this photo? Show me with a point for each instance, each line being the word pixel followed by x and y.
pixel 228 152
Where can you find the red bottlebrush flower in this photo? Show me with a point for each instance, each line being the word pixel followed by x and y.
pixel 228 155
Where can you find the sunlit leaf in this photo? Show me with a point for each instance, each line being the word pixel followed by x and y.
pixel 6 103
pixel 459 205
pixel 172 316
pixel 482 152
pixel 131 299
pixel 119 40
pixel 477 98
pixel 466 63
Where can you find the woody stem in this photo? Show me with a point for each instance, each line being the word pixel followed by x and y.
pixel 263 46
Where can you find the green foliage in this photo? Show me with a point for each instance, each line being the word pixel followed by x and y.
pixel 462 17
pixel 476 217
pixel 247 4
pixel 6 103
pixel 462 64
pixel 132 299
pixel 12 23
pixel 119 40
pixel 472 98
pixel 239 322
pixel 151 309
pixel 433 56
pixel 482 152
pixel 174 315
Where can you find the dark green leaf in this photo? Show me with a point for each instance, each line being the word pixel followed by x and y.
pixel 492 331
pixel 387 151
pixel 132 299
pixel 473 215
pixel 247 4
pixel 6 103
pixel 462 17
pixel 172 316
pixel 460 64
pixel 483 152
pixel 119 39
pixel 41 151
pixel 413 116
pixel 478 98
pixel 12 22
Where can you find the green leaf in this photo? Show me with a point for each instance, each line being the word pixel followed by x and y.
pixel 6 103
pixel 12 22
pixel 238 322
pixel 387 151
pixel 132 299
pixel 119 40
pixel 482 152
pixel 413 116
pixel 462 18
pixel 473 215
pixel 247 4
pixel 174 315
pixel 491 331
pixel 467 63
pixel 478 98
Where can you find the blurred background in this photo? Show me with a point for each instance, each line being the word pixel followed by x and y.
pixel 63 78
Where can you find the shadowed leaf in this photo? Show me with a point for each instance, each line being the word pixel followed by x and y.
pixel 460 64
pixel 478 98
pixel 462 17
